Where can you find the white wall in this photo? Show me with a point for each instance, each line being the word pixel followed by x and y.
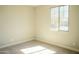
pixel 44 33
pixel 17 24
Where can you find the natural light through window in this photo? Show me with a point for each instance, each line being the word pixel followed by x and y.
pixel 59 18
pixel 37 50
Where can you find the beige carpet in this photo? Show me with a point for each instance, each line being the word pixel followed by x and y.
pixel 35 47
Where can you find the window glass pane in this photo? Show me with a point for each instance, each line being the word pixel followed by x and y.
pixel 54 18
pixel 64 18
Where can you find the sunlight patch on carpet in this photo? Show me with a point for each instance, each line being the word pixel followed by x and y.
pixel 37 50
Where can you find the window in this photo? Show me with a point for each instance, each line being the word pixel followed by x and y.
pixel 59 18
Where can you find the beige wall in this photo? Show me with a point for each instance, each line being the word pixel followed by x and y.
pixel 44 33
pixel 22 23
pixel 17 24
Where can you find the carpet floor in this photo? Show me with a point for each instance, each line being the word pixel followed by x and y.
pixel 35 47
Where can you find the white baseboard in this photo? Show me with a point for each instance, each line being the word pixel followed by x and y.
pixel 60 45
pixel 15 42
pixel 49 42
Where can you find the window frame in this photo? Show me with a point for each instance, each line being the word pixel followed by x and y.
pixel 59 17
